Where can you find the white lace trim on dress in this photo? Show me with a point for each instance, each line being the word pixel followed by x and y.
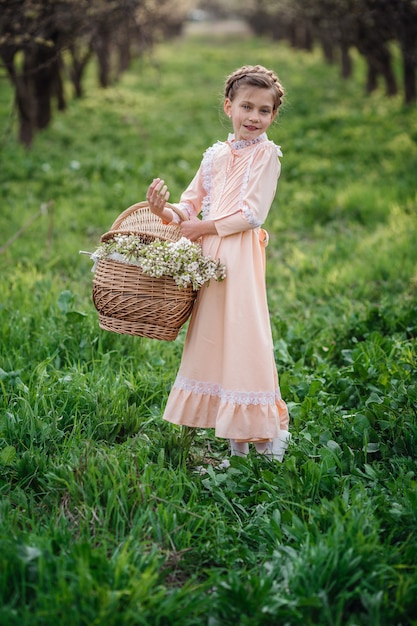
pixel 238 145
pixel 244 143
pixel 206 170
pixel 233 397
pixel 250 217
pixel 187 208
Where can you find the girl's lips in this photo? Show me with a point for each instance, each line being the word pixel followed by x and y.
pixel 251 128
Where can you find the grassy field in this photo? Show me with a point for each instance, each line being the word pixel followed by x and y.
pixel 104 517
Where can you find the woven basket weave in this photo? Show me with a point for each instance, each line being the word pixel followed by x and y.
pixel 130 302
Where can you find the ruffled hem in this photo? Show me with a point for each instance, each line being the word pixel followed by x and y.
pixel 243 422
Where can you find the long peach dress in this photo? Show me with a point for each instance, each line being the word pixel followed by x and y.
pixel 228 379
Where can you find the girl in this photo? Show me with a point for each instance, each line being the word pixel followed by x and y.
pixel 227 378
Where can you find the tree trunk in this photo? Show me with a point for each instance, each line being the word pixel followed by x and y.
pixel 371 78
pixel 59 85
pixel 379 63
pixel 304 37
pixel 42 79
pixel 346 61
pixel 328 49
pixel 388 73
pixel 124 48
pixel 407 35
pixel 79 61
pixel 23 95
pixel 102 49
pixel 125 56
pixel 47 81
pixel 26 107
pixel 76 74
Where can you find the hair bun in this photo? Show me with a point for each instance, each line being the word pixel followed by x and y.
pixel 258 76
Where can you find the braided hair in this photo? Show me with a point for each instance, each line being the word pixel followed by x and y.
pixel 256 76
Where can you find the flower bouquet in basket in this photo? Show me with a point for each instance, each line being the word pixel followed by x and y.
pixel 146 275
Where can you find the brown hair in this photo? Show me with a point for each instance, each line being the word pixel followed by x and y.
pixel 256 76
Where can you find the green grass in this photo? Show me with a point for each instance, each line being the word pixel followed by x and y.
pixel 104 517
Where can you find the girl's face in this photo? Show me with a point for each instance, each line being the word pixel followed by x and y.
pixel 251 111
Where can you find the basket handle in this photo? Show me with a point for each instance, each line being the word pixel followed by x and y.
pixel 116 230
pixel 144 205
pixel 178 211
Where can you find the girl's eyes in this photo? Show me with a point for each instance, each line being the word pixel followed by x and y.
pixel 247 107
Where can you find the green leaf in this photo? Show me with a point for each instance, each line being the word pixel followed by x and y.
pixel 7 455
pixel 374 398
pixel 65 300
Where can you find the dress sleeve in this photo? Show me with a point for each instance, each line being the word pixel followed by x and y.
pixel 258 194
pixel 191 198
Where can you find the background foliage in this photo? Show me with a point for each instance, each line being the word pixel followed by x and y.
pixel 44 42
pixel 105 516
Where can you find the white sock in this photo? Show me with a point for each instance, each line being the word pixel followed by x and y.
pixel 239 448
pixel 279 445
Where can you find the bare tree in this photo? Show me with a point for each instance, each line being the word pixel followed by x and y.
pixel 369 26
pixel 30 28
pixel 34 34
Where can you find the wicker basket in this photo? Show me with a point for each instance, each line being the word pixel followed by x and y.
pixel 130 302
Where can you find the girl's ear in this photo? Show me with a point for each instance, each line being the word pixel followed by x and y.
pixel 227 105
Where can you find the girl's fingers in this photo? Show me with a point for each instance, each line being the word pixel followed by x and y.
pixel 157 191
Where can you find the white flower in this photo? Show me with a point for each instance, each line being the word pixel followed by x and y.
pixel 182 260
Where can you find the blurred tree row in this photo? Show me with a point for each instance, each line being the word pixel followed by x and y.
pixel 370 26
pixel 44 41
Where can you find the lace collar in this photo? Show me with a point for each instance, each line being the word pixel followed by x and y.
pixel 244 143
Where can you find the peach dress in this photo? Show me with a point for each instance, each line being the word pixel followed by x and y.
pixel 228 379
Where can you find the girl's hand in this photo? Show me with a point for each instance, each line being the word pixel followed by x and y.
pixel 195 228
pixel 157 196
